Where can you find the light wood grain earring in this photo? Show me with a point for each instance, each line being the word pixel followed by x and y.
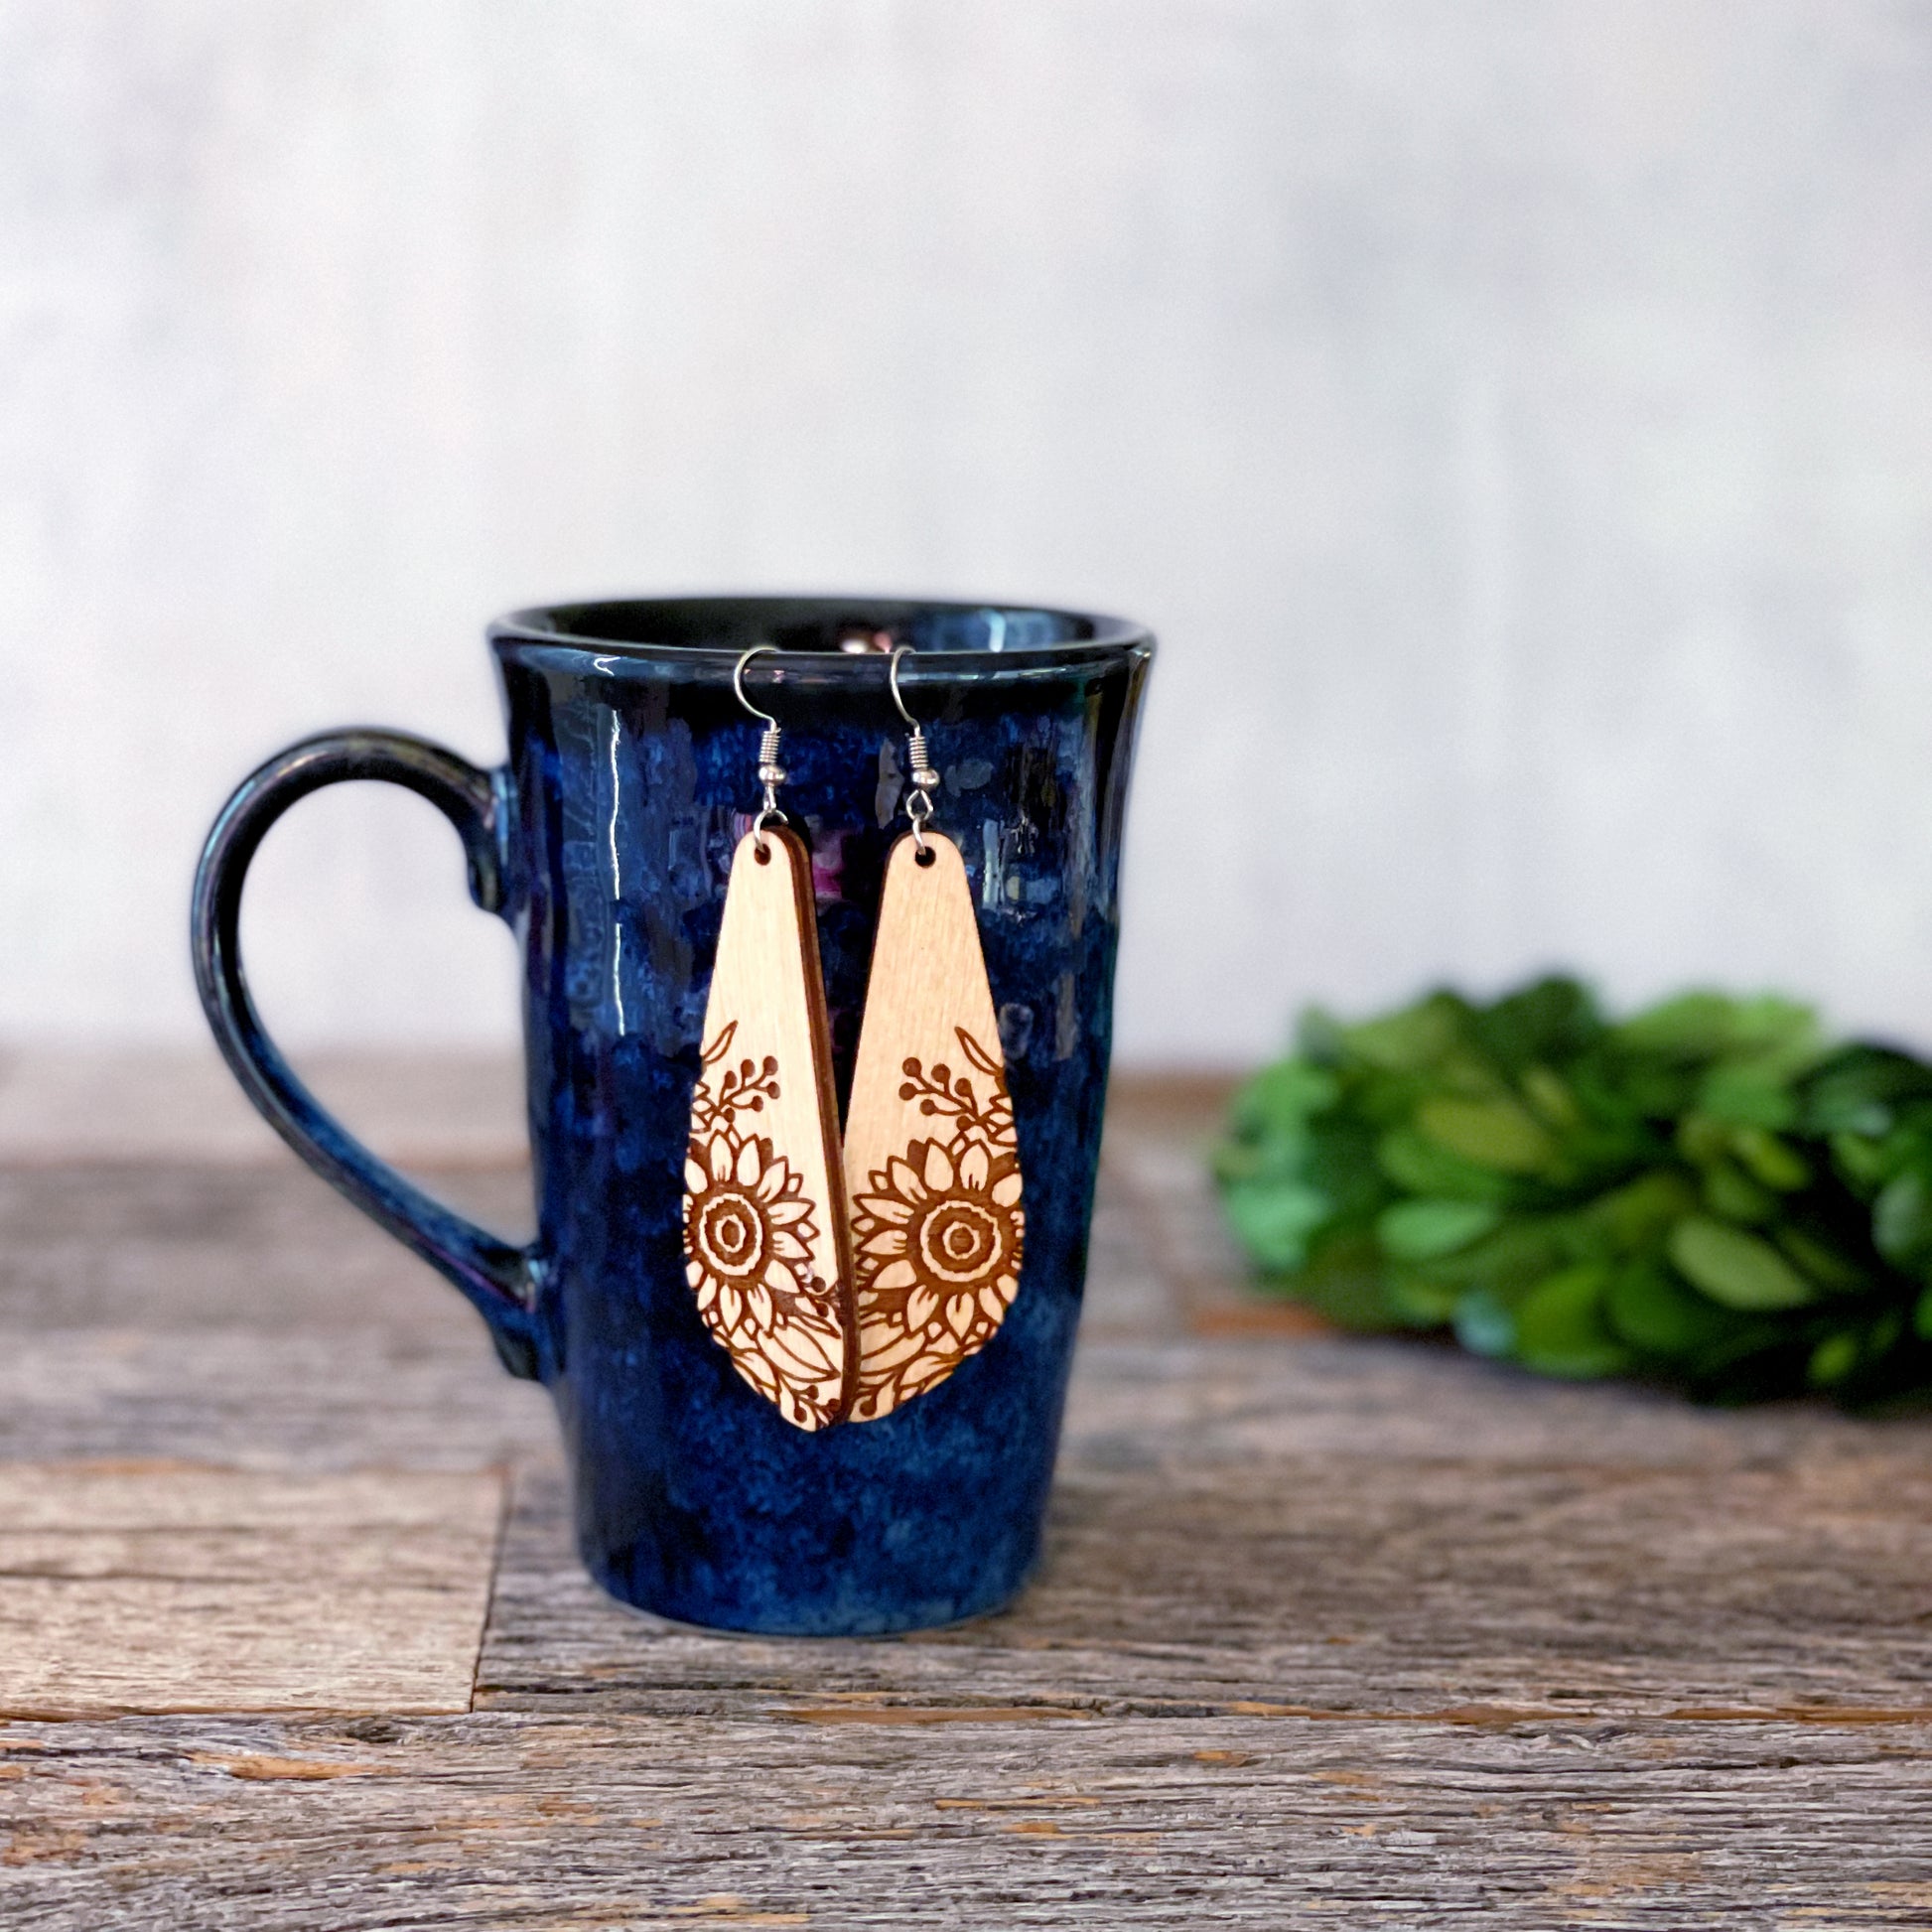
pixel 931 1159
pixel 766 1234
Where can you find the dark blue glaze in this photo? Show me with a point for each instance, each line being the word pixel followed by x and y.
pixel 607 843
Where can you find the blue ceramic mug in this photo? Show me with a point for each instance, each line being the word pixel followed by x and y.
pixel 605 842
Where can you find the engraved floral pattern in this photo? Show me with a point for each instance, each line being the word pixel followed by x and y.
pixel 748 1235
pixel 940 1235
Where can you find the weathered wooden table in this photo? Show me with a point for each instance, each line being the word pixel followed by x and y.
pixel 1331 1632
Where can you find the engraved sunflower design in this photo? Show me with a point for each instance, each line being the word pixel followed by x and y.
pixel 748 1230
pixel 748 1237
pixel 938 1241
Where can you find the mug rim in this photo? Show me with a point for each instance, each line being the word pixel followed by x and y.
pixel 562 627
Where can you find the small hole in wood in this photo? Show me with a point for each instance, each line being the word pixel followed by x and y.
pixel 762 853
pixel 924 856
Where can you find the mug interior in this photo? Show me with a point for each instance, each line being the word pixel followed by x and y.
pixel 834 625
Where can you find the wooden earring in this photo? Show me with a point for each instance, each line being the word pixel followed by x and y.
pixel 765 1235
pixel 932 1158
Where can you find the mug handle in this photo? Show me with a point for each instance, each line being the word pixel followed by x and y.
pixel 499 1280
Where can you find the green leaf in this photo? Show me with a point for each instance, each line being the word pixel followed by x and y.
pixel 1550 1098
pixel 1425 1166
pixel 1238 1162
pixel 1702 1139
pixel 1420 1230
pixel 1640 1214
pixel 1281 1098
pixel 1822 1262
pixel 1483 1326
pixel 1861 1160
pixel 1735 1196
pixel 1551 1020
pixel 1885 1331
pixel 1405 1041
pixel 1901 1220
pixel 1652 1311
pixel 1693 1025
pixel 1274 1219
pixel 1779 1036
pixel 1634 1087
pixel 1339 1162
pixel 1321 1037
pixel 1832 1361
pixel 1734 1268
pixel 1748 1096
pixel 1785 1028
pixel 1497 1134
pixel 1343 1277
pixel 1510 1260
pixel 1560 1329
pixel 1704 1191
pixel 1420 1301
pixel 1770 1159
pixel 1859 1089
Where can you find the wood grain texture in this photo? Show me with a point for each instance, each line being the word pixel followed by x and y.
pixel 68 1107
pixel 166 1588
pixel 1330 1631
pixel 932 1158
pixel 540 1824
pixel 176 1246
pixel 1364 1588
pixel 766 1240
pixel 300 1400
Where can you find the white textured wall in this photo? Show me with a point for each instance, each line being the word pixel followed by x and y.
pixel 1517 420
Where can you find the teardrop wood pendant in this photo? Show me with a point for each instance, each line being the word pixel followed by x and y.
pixel 931 1159
pixel 766 1239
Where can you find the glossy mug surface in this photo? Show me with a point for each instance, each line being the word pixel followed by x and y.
pixel 605 842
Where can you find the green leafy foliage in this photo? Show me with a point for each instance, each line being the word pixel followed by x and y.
pixel 1707 1194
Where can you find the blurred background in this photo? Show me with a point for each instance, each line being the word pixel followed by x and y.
pixel 1516 419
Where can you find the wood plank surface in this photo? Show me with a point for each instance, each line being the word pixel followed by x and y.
pixel 1484 1591
pixel 517 1821
pixel 163 1588
pixel 1330 1631
pixel 75 1107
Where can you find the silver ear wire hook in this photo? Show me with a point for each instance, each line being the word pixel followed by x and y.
pixel 918 801
pixel 771 774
